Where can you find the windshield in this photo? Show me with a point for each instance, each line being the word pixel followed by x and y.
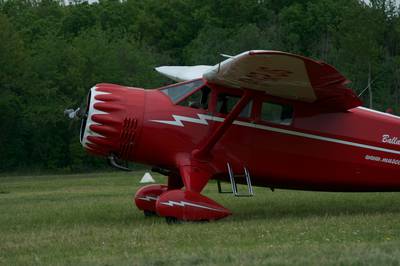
pixel 198 99
pixel 178 91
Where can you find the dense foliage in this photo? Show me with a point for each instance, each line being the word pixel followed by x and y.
pixel 51 54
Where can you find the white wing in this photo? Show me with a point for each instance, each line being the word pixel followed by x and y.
pixel 287 76
pixel 279 74
pixel 183 73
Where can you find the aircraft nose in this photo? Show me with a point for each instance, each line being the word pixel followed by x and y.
pixel 112 120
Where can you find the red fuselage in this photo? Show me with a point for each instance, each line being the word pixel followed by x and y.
pixel 356 150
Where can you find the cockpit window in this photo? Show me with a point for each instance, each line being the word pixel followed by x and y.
pixel 226 102
pixel 198 99
pixel 178 91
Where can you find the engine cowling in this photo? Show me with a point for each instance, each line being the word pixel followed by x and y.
pixel 113 119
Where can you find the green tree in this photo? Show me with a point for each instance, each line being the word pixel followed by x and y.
pixel 12 128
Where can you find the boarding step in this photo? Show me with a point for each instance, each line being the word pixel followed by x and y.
pixel 232 178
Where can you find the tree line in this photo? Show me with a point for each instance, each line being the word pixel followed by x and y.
pixel 51 54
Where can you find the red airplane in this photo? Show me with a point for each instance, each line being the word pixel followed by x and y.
pixel 263 118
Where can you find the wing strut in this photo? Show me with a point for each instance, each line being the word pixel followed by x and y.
pixel 206 147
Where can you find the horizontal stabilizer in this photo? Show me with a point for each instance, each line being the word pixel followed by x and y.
pixel 183 73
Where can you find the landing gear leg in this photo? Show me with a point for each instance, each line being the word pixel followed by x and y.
pixel 189 204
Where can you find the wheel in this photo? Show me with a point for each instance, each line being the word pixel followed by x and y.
pixel 149 213
pixel 172 220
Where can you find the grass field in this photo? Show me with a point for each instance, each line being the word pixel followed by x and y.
pixel 90 220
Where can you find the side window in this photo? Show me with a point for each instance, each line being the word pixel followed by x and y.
pixel 198 99
pixel 226 102
pixel 277 113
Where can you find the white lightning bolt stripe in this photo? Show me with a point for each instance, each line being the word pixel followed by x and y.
pixel 179 119
pixel 149 198
pixel 185 203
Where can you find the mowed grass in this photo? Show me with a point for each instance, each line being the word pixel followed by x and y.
pixel 90 219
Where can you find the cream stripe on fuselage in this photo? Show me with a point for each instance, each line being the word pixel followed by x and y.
pixel 178 121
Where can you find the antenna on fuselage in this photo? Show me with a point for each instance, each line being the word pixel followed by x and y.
pixel 368 87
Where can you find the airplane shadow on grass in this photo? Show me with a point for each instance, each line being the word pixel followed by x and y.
pixel 324 205
pixel 292 208
pixel 286 205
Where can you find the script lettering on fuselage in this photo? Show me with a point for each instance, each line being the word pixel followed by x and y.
pixel 390 139
pixel 382 160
